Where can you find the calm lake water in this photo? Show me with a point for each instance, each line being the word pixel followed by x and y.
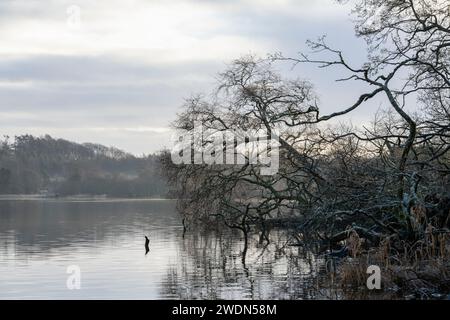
pixel 39 239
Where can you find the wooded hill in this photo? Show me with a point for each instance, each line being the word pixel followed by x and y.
pixel 48 166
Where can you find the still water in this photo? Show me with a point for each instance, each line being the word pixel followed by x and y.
pixel 39 239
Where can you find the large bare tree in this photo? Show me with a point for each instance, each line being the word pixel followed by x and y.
pixel 390 179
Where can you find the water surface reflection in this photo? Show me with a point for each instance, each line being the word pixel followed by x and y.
pixel 40 238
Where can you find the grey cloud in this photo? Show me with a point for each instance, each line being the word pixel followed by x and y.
pixel 94 68
pixel 69 95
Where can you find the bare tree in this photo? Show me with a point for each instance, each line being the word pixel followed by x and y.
pixel 390 179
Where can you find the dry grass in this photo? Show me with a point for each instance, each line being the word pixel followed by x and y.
pixel 419 270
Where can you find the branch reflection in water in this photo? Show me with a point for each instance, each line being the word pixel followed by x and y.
pixel 210 266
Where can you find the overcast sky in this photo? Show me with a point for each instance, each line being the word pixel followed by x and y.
pixel 120 75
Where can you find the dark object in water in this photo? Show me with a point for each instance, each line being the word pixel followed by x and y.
pixel 184 227
pixel 147 241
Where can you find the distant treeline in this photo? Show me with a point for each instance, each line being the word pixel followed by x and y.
pixel 44 165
